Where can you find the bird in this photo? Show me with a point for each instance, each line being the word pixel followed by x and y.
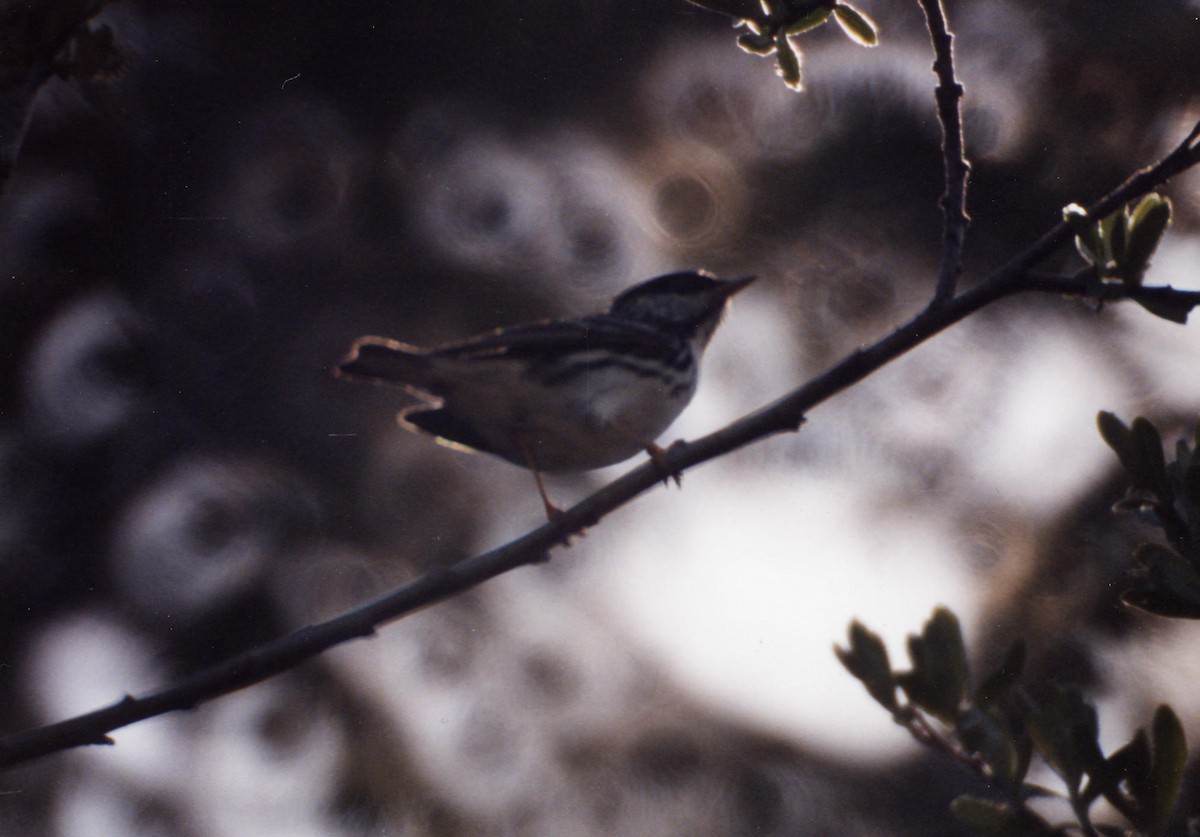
pixel 561 395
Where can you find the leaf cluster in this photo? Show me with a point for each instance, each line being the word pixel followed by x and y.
pixel 998 727
pixel 771 26
pixel 1166 577
pixel 1118 249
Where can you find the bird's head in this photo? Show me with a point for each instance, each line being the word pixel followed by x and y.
pixel 688 303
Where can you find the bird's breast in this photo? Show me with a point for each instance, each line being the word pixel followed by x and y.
pixel 589 411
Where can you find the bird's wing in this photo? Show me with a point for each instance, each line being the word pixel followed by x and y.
pixel 446 427
pixel 552 337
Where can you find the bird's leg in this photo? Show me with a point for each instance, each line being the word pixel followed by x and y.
pixel 659 457
pixel 552 511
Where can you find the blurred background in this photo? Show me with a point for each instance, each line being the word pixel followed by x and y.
pixel 188 246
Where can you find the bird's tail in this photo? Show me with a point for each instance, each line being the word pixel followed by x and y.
pixel 382 360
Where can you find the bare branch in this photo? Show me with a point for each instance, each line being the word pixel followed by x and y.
pixel 949 93
pixel 1109 291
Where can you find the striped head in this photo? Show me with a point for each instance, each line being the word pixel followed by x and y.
pixel 688 304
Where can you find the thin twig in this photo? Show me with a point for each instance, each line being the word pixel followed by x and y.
pixel 785 414
pixel 949 94
pixel 1107 292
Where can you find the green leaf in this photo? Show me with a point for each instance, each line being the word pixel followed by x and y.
pixel 1152 464
pixel 758 43
pixel 1183 456
pixel 1088 239
pixel 1164 583
pixel 999 682
pixel 1170 758
pixel 1064 728
pixel 1115 229
pixel 809 21
pixel 938 679
pixel 1151 775
pixel 857 26
pixel 1116 434
pixel 789 62
pixel 1149 220
pixel 1147 225
pixel 1139 449
pixel 1130 766
pixel 867 659
pixel 992 819
pixel 1147 206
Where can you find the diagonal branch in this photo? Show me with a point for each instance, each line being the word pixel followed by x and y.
pixel 949 93
pixel 784 414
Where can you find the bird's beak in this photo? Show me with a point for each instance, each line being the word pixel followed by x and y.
pixel 732 286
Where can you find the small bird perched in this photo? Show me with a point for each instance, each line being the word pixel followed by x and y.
pixel 561 395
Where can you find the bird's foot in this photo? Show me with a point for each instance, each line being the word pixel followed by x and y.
pixel 659 457
pixel 553 512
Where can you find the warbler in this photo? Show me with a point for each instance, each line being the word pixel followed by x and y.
pixel 561 395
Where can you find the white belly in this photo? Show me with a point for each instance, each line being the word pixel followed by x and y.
pixel 601 417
